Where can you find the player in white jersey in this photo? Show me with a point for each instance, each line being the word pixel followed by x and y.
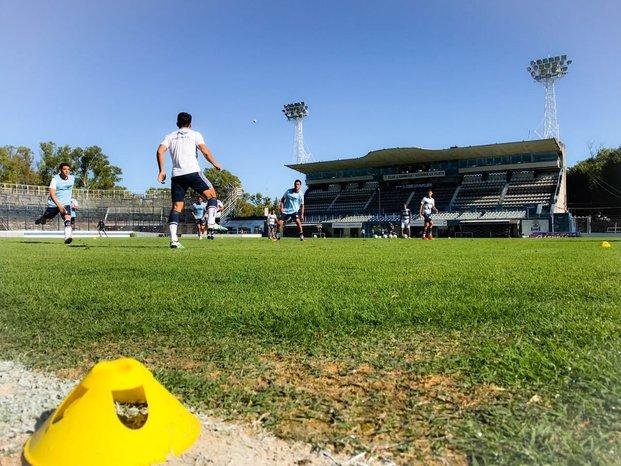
pixel 406 217
pixel 74 211
pixel 59 200
pixel 271 225
pixel 217 216
pixel 199 209
pixel 184 145
pixel 292 208
pixel 427 207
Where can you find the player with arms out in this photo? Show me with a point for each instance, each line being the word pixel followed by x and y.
pixel 184 145
pixel 199 209
pixel 59 200
pixel 292 208
pixel 427 207
pixel 406 218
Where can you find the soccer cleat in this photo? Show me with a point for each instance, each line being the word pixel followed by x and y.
pixel 430 237
pixel 68 240
pixel 301 237
pixel 175 245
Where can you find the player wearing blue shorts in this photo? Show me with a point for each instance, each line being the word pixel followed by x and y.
pixel 184 145
pixel 59 200
pixel 199 208
pixel 427 207
pixel 292 209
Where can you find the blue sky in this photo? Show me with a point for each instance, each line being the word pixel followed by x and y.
pixel 375 74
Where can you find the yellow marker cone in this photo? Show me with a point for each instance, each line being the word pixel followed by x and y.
pixel 606 244
pixel 85 428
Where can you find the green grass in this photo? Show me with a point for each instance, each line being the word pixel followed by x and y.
pixel 487 351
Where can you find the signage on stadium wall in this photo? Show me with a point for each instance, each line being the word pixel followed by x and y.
pixel 347 225
pixel 407 176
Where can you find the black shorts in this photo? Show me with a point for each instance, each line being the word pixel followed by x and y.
pixel 199 221
pixel 180 184
pixel 289 217
pixel 52 212
pixel 427 218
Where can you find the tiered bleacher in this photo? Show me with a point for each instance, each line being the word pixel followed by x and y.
pixel 478 187
pixel 120 209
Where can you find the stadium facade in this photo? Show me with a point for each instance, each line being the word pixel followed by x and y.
pixel 506 189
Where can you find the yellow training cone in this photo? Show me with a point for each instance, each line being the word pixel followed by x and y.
pixel 606 244
pixel 86 430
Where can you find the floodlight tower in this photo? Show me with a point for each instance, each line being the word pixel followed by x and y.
pixel 547 71
pixel 296 112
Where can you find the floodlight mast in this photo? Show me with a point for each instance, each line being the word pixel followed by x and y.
pixel 547 71
pixel 295 113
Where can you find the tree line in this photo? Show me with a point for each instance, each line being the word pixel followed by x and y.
pixel 91 167
pixel 594 184
pixel 93 170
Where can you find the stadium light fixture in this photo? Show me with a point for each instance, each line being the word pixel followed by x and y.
pixel 547 71
pixel 295 113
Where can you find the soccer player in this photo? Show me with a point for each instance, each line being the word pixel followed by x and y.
pixel 271 225
pixel 406 218
pixel 199 209
pixel 74 211
pixel 292 208
pixel 211 228
pixel 59 200
pixel 184 145
pixel 101 229
pixel 427 206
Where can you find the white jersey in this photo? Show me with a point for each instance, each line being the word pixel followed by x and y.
pixel 428 204
pixel 183 145
pixel 271 219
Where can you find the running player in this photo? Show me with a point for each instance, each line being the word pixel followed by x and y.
pixel 271 225
pixel 292 209
pixel 74 211
pixel 406 219
pixel 199 209
pixel 59 200
pixel 217 216
pixel 184 145
pixel 427 207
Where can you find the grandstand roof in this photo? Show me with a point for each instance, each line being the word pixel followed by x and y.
pixel 410 155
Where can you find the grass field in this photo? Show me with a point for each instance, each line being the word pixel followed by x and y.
pixel 487 351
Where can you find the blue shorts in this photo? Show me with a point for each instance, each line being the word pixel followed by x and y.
pixel 289 217
pixel 52 212
pixel 427 218
pixel 180 184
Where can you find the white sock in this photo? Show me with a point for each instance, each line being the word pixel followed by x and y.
pixel 211 215
pixel 173 232
pixel 67 232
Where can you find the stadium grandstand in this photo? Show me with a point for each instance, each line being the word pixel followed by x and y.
pixel 120 209
pixel 506 189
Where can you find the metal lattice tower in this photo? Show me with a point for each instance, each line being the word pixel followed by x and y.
pixel 547 71
pixel 296 112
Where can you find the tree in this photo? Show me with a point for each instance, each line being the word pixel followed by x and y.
pixel 254 205
pixel 223 181
pixel 595 183
pixel 90 165
pixel 17 165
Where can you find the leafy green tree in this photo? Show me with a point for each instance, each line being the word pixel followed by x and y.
pixel 90 165
pixel 595 183
pixel 17 165
pixel 223 181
